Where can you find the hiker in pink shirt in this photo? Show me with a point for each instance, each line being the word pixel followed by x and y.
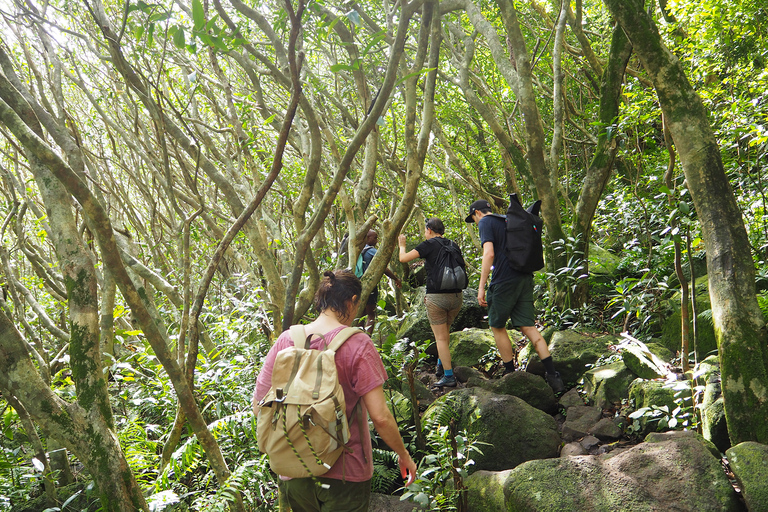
pixel 361 374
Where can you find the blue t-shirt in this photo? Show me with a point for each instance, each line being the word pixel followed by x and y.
pixel 493 229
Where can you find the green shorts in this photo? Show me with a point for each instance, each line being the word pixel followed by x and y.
pixel 511 300
pixel 304 495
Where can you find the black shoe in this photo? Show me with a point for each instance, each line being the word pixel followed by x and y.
pixel 439 370
pixel 555 382
pixel 448 381
pixel 508 371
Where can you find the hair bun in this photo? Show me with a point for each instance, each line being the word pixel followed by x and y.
pixel 330 275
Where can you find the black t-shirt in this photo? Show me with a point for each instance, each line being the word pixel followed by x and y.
pixel 493 229
pixel 428 249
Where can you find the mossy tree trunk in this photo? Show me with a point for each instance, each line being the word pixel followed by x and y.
pixel 87 427
pixel 107 458
pixel 602 161
pixel 535 142
pixel 739 324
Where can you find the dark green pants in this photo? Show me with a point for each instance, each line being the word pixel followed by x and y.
pixel 305 495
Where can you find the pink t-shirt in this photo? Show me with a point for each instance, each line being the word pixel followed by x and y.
pixel 360 371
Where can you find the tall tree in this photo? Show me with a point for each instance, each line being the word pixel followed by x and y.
pixel 739 324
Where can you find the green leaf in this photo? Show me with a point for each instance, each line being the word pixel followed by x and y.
pixel 415 73
pixel 339 67
pixel 375 40
pixel 179 39
pixel 198 15
pixel 159 16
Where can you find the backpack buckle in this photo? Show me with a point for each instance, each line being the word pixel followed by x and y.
pixel 279 396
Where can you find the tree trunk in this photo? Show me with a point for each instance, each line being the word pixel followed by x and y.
pixel 86 433
pixel 602 160
pixel 739 324
pixel 535 140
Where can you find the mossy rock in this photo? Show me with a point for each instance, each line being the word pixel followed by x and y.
pixel 531 388
pixel 661 437
pixel 515 431
pixel 749 462
pixel 642 361
pixel 678 474
pixel 655 395
pixel 469 346
pixel 608 384
pixel 660 351
pixel 572 352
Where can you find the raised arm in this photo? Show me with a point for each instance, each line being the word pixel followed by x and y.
pixel 405 257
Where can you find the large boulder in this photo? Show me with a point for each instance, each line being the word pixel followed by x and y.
pixel 515 431
pixel 678 474
pixel 416 327
pixel 749 462
pixel 470 346
pixel 608 384
pixel 531 388
pixel 642 361
pixel 572 353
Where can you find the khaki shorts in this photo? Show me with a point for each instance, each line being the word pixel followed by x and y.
pixel 442 308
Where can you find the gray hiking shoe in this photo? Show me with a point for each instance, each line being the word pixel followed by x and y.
pixel 555 382
pixel 446 382
pixel 439 370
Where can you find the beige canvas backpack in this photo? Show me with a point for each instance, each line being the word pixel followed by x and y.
pixel 302 422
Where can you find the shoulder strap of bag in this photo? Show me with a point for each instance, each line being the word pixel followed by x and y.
pixel 299 336
pixel 341 337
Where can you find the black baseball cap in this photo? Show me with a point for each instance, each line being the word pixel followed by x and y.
pixel 480 204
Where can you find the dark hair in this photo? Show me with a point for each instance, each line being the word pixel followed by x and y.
pixel 336 289
pixel 436 225
pixel 484 210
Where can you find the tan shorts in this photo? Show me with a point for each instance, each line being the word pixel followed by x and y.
pixel 442 308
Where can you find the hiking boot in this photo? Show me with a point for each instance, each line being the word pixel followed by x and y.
pixel 555 382
pixel 446 382
pixel 439 370
pixel 507 371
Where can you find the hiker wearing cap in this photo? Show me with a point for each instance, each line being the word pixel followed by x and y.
pixel 346 486
pixel 443 305
pixel 510 294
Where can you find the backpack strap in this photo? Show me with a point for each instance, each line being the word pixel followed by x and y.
pixel 341 337
pixel 299 336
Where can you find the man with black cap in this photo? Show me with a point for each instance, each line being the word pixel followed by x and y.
pixel 510 294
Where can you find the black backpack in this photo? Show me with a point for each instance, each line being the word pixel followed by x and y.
pixel 449 271
pixel 522 244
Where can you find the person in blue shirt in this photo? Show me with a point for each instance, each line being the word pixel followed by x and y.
pixel 367 254
pixel 510 294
